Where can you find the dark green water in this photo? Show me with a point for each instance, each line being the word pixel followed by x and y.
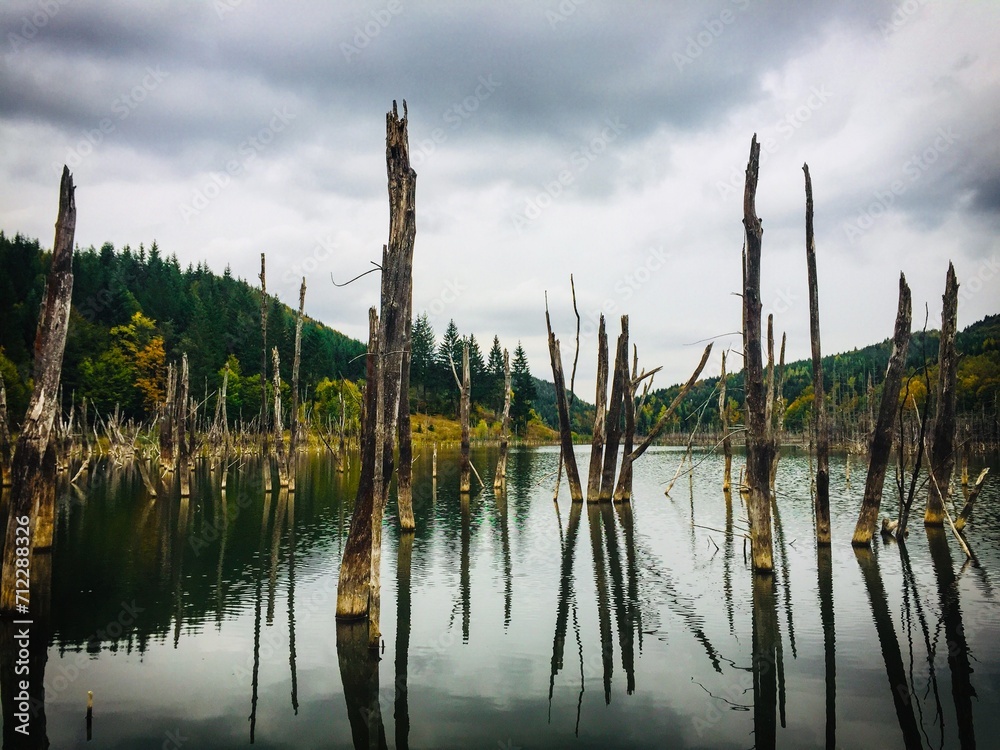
pixel 514 622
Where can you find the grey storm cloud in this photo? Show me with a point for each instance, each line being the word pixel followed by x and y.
pixel 549 138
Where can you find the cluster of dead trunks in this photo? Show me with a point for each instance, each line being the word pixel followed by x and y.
pixel 763 421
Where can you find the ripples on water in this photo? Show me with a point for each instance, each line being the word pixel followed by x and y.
pixel 516 621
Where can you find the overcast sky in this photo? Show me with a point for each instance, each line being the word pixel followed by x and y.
pixel 604 139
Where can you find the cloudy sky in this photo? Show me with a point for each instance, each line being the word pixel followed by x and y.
pixel 604 139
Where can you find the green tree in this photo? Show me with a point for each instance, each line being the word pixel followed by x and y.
pixel 494 377
pixel 422 358
pixel 477 370
pixel 523 386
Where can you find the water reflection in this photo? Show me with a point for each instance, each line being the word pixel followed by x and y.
pixel 766 643
pixel 958 649
pixel 898 684
pixel 824 567
pixel 210 575
pixel 359 676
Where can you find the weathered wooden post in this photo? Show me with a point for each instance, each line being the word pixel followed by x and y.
pixel 294 435
pixel 819 400
pixel 760 442
pixel 881 443
pixel 970 502
pixel 263 358
pixel 500 477
pixel 29 480
pixel 942 449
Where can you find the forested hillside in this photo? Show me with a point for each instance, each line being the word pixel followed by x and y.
pixel 853 384
pixel 135 310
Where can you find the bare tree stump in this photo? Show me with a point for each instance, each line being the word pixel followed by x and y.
pixel 760 443
pixel 565 430
pixel 293 438
pixel 600 414
pixel 4 439
pixel 279 427
pixel 966 512
pixel 881 443
pixel 727 443
pixel 30 494
pixel 180 425
pixel 819 398
pixel 500 477
pixel 619 387
pixel 354 583
pixel 942 452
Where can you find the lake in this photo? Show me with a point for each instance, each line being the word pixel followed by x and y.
pixel 514 622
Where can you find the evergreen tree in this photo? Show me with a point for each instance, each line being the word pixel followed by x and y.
pixel 477 370
pixel 422 357
pixel 523 386
pixel 494 377
pixel 449 351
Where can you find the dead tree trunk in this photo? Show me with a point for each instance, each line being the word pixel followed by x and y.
pixel 500 478
pixel 777 411
pixel 629 459
pixel 293 437
pixel 727 443
pixel 600 408
pixel 397 303
pixel 942 453
pixel 819 397
pixel 963 517
pixel 632 383
pixel 354 584
pixel 279 427
pixel 181 433
pixel 4 439
pixel 760 443
pixel 167 429
pixel 263 358
pixel 465 389
pixel 881 444
pixel 565 431
pixel 619 387
pixel 30 496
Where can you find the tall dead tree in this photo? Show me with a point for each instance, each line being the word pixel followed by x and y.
pixel 4 439
pixel 565 430
pixel 760 441
pixel 32 484
pixel 279 427
pixel 354 583
pixel 263 355
pixel 727 443
pixel 613 434
pixel 881 444
pixel 465 403
pixel 180 429
pixel 294 420
pixel 397 309
pixel 600 408
pixel 167 415
pixel 942 449
pixel 500 477
pixel 819 397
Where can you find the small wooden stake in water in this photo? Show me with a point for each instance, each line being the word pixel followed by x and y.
pixel 90 712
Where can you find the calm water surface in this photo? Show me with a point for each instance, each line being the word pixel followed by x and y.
pixel 514 622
